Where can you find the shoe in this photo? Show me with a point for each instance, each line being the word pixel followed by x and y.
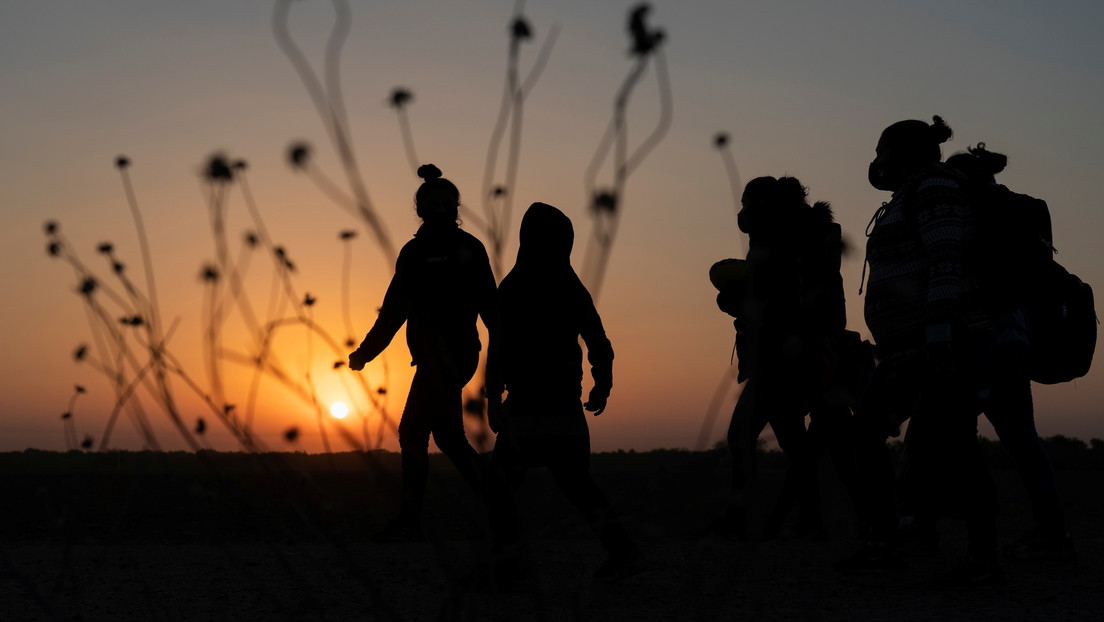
pixel 971 574
pixel 1035 546
pixel 399 531
pixel 619 565
pixel 873 558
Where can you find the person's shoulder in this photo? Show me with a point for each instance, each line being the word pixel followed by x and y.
pixel 468 239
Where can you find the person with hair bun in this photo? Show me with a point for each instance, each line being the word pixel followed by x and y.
pixel 923 312
pixel 442 282
pixel 1014 242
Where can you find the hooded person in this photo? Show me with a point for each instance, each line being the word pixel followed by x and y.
pixel 535 357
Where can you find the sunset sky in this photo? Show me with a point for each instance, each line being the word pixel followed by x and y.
pixel 802 88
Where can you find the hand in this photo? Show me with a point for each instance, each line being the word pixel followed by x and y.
pixel 357 360
pixel 495 416
pixel 596 404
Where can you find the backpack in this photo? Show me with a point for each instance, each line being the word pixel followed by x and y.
pixel 1015 265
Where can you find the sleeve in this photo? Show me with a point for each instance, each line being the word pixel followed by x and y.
pixel 941 224
pixel 599 348
pixel 392 314
pixel 822 293
pixel 487 292
pixel 493 380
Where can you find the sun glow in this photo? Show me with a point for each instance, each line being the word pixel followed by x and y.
pixel 339 410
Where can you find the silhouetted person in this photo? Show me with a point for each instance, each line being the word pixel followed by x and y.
pixel 535 357
pixel 921 308
pixel 1009 255
pixel 789 310
pixel 442 281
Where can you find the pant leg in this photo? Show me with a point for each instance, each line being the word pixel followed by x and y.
pixel 569 463
pixel 887 403
pixel 828 424
pixel 1011 412
pixel 447 420
pixel 800 486
pixel 747 423
pixel 944 472
pixel 506 473
pixel 414 430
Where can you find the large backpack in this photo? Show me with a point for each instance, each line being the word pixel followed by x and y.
pixel 1016 269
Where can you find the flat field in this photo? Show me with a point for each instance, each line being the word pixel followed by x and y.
pixel 225 536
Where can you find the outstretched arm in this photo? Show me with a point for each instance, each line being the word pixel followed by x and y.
pixel 393 312
pixel 599 354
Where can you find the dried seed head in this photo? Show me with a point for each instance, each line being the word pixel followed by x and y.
pixel 298 155
pixel 251 239
pixel 218 169
pixel 122 162
pixel 53 249
pixel 80 352
pixel 65 416
pixel 720 140
pixel 201 426
pixel 51 227
pixel 520 30
pixel 309 300
pixel 209 273
pixel 87 442
pixel 400 97
pixel 79 389
pixel 291 435
pixel 105 248
pixel 348 234
pixel 338 364
pixel 88 286
pixel 605 201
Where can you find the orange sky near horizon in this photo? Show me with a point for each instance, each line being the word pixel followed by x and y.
pixel 802 90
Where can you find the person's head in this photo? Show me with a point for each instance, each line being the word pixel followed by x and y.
pixel 978 164
pixel 904 148
pixel 769 202
pixel 437 200
pixel 546 236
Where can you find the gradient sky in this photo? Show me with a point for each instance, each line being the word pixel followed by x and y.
pixel 804 88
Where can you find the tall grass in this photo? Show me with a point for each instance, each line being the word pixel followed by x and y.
pixel 132 346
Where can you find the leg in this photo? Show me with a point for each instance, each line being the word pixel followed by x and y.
pixel 414 429
pixel 569 464
pixel 748 421
pixel 1011 413
pixel 885 405
pixel 447 416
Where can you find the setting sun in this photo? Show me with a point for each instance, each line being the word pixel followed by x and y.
pixel 339 410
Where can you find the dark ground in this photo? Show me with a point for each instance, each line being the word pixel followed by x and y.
pixel 144 536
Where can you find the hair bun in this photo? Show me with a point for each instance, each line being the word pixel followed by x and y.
pixel 428 172
pixel 940 131
pixel 991 161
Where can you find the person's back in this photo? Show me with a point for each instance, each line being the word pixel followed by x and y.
pixel 443 275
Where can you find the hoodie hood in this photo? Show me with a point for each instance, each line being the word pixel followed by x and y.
pixel 546 237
